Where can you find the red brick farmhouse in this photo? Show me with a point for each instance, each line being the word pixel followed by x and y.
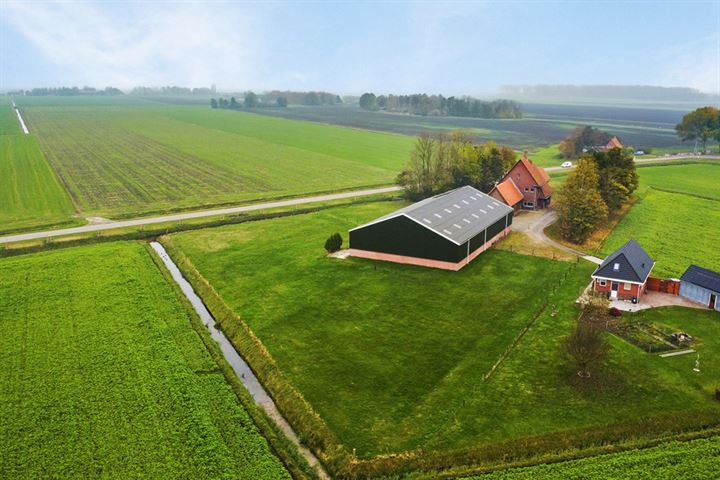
pixel 525 185
pixel 624 273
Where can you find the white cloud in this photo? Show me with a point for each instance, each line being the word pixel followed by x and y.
pixel 125 45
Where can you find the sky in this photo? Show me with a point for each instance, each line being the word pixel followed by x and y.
pixel 453 48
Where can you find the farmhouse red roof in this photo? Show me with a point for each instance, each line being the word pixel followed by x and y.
pixel 540 176
pixel 510 193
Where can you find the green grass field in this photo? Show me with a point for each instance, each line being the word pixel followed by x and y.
pixel 700 179
pixel 393 357
pixel 118 160
pixel 677 230
pixel 30 194
pixel 696 459
pixel 102 376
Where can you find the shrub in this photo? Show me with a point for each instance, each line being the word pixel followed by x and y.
pixel 333 243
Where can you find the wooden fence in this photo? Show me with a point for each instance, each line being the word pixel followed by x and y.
pixel 663 285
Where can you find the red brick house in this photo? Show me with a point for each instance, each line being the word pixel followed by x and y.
pixel 623 274
pixel 531 182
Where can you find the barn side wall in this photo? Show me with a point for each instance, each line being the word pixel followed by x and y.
pixel 404 237
pixel 695 293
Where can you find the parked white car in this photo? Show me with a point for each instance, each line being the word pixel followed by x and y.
pixel 566 164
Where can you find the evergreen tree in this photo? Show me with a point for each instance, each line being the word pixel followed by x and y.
pixel 579 204
pixel 213 103
pixel 333 243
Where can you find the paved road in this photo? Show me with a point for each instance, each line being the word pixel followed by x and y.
pixel 190 215
pixel 651 160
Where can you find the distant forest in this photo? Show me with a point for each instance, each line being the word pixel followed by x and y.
pixel 275 98
pixel 636 92
pixel 438 105
pixel 69 91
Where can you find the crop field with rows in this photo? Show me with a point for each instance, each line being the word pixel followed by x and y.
pixel 541 126
pixel 116 160
pixel 102 375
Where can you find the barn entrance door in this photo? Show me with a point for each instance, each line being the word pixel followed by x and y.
pixel 614 289
pixel 713 299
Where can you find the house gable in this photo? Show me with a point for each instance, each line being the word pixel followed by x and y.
pixel 629 263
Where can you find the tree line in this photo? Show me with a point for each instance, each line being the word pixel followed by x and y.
pixel 441 162
pixel 700 125
pixel 423 104
pixel 71 91
pixel 276 99
pixel 600 184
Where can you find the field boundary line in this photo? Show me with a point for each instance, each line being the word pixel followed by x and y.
pixel 193 215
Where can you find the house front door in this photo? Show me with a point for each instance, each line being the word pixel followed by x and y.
pixel 614 289
pixel 713 299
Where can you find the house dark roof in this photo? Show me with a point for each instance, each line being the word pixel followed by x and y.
pixel 702 277
pixel 457 215
pixel 633 264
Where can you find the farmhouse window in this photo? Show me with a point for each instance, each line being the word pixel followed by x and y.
pixel 603 283
pixel 627 286
pixel 527 189
pixel 616 267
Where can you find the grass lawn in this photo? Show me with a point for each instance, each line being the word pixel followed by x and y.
pixel 30 194
pixel 392 357
pixel 102 375
pixel 547 156
pixel 118 159
pixel 676 230
pixel 701 179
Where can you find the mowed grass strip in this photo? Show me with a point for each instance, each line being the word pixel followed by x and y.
pixel 30 194
pixel 9 123
pixel 102 375
pixel 118 160
pixel 393 357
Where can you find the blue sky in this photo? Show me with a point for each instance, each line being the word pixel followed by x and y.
pixel 352 47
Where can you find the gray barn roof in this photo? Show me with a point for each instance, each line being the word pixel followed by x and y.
pixel 634 264
pixel 457 215
pixel 702 277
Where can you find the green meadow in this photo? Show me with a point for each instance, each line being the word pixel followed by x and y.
pixel 393 357
pixel 675 218
pixel 121 160
pixel 103 376
pixel 30 194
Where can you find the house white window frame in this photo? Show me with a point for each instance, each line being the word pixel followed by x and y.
pixel 602 283
pixel 528 204
pixel 627 286
pixel 616 267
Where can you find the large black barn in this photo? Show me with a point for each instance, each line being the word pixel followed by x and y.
pixel 444 231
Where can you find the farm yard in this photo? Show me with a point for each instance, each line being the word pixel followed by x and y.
pixel 350 358
pixel 30 195
pixel 117 160
pixel 103 376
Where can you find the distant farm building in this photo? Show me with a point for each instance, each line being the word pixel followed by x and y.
pixel 524 186
pixel 623 274
pixel 613 143
pixel 445 231
pixel 702 286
